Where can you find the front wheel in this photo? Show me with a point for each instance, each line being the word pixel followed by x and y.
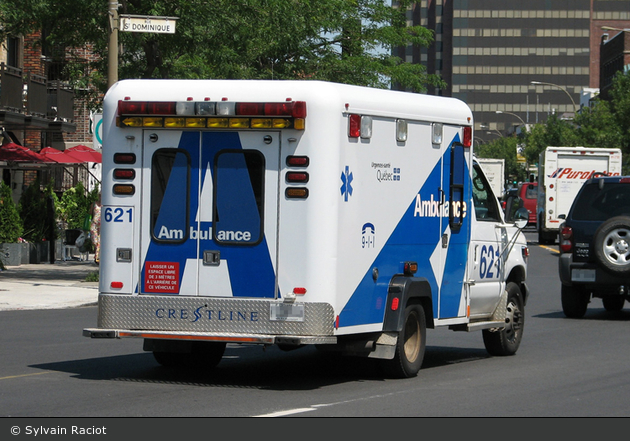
pixel 410 346
pixel 507 340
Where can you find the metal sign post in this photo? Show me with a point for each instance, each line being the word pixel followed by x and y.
pixel 131 23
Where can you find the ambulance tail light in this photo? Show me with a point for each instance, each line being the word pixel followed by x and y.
pixel 297 177
pixel 116 285
pixel 124 158
pixel 354 126
pixel 298 161
pixel 296 193
pixel 124 189
pixel 299 291
pixel 467 136
pixel 124 173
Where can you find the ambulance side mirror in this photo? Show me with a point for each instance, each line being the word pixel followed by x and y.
pixel 521 217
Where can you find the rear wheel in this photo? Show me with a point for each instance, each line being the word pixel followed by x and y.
pixel 574 301
pixel 613 303
pixel 205 355
pixel 410 346
pixel 507 340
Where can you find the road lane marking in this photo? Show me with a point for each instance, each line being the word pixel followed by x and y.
pixel 285 412
pixel 553 250
pixel 23 375
pixel 317 406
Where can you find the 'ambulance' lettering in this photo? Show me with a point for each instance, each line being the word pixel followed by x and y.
pixel 165 233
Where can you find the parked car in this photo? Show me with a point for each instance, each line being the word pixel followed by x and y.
pixel 595 246
pixel 528 192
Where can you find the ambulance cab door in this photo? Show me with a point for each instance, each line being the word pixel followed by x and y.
pixel 455 230
pixel 237 216
pixel 484 263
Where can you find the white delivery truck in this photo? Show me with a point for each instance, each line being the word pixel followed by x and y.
pixel 561 173
pixel 295 213
pixel 494 170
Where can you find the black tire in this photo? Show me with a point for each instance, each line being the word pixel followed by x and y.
pixel 574 301
pixel 507 340
pixel 410 346
pixel 611 244
pixel 544 237
pixel 613 303
pixel 204 355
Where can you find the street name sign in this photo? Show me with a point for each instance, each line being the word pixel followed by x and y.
pixel 147 23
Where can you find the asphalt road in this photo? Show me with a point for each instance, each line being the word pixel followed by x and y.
pixel 564 368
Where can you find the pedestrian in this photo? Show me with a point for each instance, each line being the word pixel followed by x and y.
pixel 95 229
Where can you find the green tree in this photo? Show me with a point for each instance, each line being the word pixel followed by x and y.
pixel 504 148
pixel 620 108
pixel 74 206
pixel 34 212
pixel 554 132
pixel 598 127
pixel 347 41
pixel 603 124
pixel 10 223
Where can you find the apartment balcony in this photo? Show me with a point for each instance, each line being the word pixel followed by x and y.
pixel 31 102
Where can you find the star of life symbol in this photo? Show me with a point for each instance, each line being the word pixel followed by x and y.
pixel 346 187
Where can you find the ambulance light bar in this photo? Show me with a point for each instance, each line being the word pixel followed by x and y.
pixel 211 114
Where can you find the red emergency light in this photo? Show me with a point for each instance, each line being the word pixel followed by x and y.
pixel 212 114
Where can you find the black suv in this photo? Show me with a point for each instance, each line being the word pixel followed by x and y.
pixel 595 246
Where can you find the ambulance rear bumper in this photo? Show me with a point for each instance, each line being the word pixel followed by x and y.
pixel 266 321
pixel 201 336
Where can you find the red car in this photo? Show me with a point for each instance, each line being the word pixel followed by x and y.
pixel 528 192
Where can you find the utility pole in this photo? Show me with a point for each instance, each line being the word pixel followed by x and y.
pixel 112 48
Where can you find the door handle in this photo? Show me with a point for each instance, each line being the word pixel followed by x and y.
pixel 211 258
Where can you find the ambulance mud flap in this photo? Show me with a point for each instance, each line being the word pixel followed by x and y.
pixel 403 291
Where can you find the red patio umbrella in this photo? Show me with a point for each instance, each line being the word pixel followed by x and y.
pixel 59 156
pixel 85 153
pixel 12 152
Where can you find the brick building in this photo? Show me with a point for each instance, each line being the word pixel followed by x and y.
pixel 512 61
pixel 38 109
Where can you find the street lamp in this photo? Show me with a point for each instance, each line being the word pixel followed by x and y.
pixel 488 130
pixel 561 88
pixel 609 28
pixel 513 114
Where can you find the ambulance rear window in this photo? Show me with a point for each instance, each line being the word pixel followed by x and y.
pixel 170 187
pixel 238 202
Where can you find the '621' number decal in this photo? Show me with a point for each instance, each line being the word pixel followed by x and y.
pixel 489 262
pixel 118 214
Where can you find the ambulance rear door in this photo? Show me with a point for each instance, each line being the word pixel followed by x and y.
pixel 209 205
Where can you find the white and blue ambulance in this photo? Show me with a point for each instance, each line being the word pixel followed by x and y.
pixel 299 212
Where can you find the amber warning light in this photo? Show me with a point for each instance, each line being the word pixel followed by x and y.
pixel 212 114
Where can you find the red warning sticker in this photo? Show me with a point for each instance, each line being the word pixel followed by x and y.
pixel 161 277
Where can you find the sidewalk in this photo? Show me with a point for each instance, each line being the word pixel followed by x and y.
pixel 48 286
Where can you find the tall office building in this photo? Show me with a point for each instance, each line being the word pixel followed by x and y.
pixel 515 62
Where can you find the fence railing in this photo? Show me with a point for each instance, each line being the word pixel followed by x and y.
pixel 33 95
